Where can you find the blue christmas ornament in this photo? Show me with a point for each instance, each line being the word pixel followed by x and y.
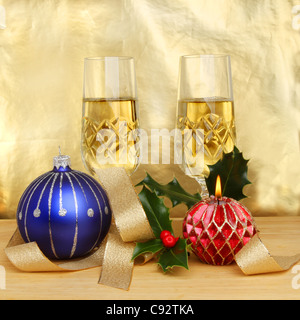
pixel 65 211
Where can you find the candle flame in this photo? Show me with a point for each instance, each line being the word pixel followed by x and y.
pixel 218 193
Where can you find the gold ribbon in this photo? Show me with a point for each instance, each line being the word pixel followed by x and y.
pixel 28 257
pixel 131 222
pixel 130 225
pixel 114 254
pixel 255 258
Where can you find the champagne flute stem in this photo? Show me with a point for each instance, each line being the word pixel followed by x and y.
pixel 204 190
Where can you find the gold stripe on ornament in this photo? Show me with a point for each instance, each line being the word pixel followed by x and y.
pixel 76 216
pixel 49 213
pixel 30 196
pixel 95 196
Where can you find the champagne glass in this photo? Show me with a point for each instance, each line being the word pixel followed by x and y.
pixel 205 114
pixel 110 114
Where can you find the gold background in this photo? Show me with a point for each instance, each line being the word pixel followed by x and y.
pixel 41 62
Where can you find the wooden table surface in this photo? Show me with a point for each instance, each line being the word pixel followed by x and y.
pixel 281 235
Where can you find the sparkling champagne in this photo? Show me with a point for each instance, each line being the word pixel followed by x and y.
pixel 109 134
pixel 215 116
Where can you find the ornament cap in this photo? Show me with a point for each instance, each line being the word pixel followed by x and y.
pixel 61 161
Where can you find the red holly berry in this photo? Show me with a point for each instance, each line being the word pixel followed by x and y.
pixel 169 241
pixel 164 234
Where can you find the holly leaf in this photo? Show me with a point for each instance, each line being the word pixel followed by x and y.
pixel 175 257
pixel 152 246
pixel 172 190
pixel 159 219
pixel 233 171
pixel 157 213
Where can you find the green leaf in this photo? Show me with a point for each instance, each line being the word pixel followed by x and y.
pixel 159 219
pixel 175 257
pixel 233 171
pixel 157 213
pixel 152 246
pixel 173 191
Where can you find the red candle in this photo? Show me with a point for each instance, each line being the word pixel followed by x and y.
pixel 217 228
